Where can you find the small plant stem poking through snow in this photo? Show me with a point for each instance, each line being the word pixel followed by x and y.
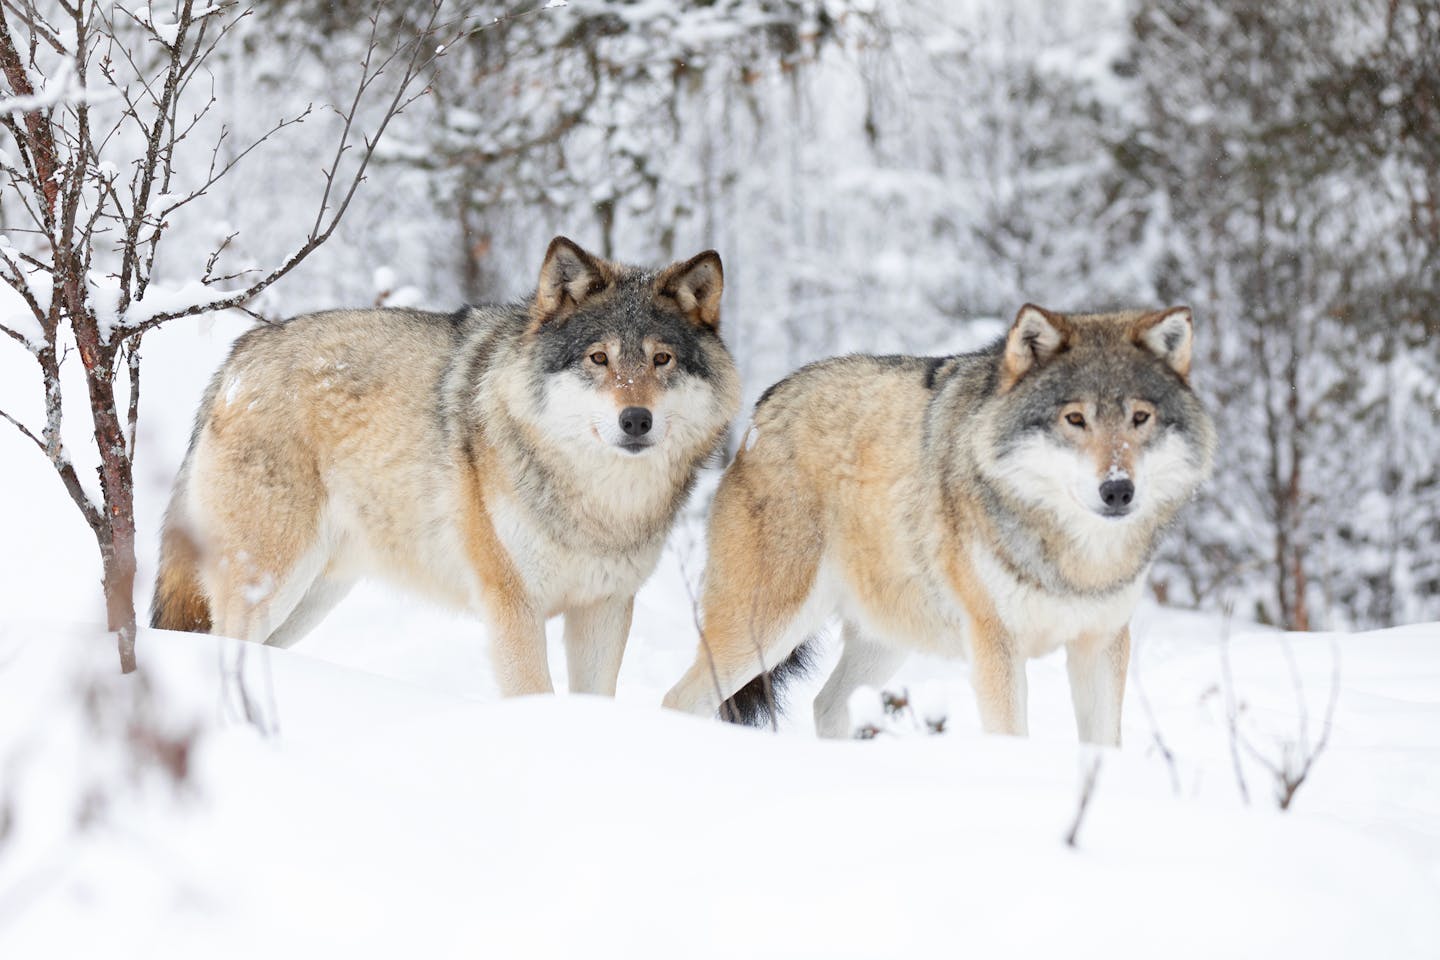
pixel 1297 755
pixel 1091 763
pixel 1232 708
pixel 1166 753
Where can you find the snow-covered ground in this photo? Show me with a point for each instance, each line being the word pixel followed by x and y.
pixel 393 817
pixel 400 808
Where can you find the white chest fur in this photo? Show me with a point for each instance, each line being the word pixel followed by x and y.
pixel 560 577
pixel 1041 621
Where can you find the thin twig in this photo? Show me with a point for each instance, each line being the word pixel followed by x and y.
pixel 1165 752
pixel 24 430
pixel 1231 706
pixel 1087 791
pixel 725 711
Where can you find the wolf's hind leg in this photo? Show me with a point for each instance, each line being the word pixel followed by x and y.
pixel 750 627
pixel 1097 685
pixel 862 661
pixel 253 599
pixel 318 601
pixel 762 597
pixel 595 638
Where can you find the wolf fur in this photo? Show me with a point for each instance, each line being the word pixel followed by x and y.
pixel 994 505
pixel 516 461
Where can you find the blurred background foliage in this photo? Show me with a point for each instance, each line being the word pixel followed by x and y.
pixel 903 176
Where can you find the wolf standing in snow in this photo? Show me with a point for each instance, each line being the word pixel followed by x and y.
pixel 517 461
pixel 995 505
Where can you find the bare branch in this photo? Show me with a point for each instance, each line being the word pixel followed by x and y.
pixel 146 173
pixel 214 176
pixel 1087 791
pixel 328 217
pixel 1232 709
pixel 15 280
pixel 1165 752
pixel 41 140
pixel 132 413
pixel 24 430
pixel 725 711
pixel 38 28
pixel 1297 757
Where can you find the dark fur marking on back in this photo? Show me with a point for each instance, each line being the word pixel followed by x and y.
pixel 770 392
pixel 932 370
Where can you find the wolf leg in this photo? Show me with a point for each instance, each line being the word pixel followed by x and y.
pixel 517 651
pixel 724 665
pixel 318 601
pixel 862 661
pixel 997 672
pixel 763 595
pixel 252 596
pixel 1097 686
pixel 595 638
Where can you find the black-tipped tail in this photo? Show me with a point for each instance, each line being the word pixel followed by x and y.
pixel 760 701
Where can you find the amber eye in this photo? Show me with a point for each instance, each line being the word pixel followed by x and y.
pixel 1075 419
pixel 661 359
pixel 1141 416
pixel 599 359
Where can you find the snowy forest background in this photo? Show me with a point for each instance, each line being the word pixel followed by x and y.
pixel 888 176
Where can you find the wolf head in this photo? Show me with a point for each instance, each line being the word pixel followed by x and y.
pixel 1095 418
pixel 630 360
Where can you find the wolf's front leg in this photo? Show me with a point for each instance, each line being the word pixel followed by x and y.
pixel 595 638
pixel 1097 668
pixel 517 650
pixel 997 672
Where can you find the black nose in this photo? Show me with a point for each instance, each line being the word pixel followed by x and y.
pixel 635 421
pixel 1117 495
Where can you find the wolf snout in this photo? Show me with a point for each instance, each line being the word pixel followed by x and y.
pixel 1117 495
pixel 635 421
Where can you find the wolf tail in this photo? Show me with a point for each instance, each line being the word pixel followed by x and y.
pixel 179 603
pixel 759 701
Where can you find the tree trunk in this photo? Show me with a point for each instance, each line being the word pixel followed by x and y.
pixel 116 536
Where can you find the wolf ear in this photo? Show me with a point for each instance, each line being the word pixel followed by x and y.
pixel 695 286
pixel 1036 336
pixel 1169 334
pixel 568 277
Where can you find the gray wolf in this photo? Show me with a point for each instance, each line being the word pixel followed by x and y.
pixel 994 505
pixel 517 461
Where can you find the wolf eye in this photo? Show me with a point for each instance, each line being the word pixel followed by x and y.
pixel 599 359
pixel 1140 417
pixel 661 359
pixel 1075 419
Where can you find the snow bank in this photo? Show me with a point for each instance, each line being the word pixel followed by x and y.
pixel 388 818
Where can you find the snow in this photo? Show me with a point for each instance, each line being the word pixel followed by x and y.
pixel 15 313
pixel 398 806
pixel 402 807
pixel 61 88
pixel 387 816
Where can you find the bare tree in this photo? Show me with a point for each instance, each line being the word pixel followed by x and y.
pixel 100 101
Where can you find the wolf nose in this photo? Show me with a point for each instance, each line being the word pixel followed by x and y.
pixel 635 421
pixel 1117 494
